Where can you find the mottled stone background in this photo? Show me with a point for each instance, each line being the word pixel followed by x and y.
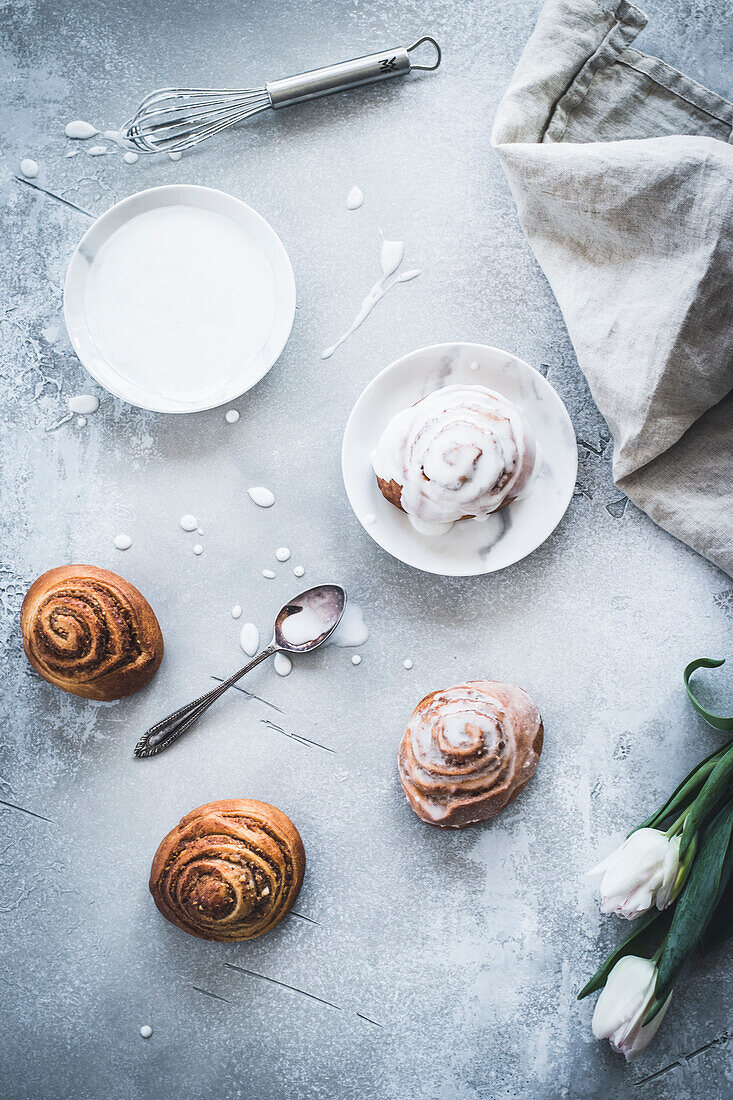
pixel 465 949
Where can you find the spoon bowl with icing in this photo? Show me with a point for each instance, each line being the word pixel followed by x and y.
pixel 302 625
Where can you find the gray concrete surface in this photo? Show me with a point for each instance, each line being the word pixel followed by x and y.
pixel 467 948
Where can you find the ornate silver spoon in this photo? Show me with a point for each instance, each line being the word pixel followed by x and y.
pixel 304 623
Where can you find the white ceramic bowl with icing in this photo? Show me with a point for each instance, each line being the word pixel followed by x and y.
pixel 179 298
pixel 471 547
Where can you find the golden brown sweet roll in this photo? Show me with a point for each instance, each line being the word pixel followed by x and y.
pixel 468 751
pixel 459 452
pixel 229 870
pixel 90 632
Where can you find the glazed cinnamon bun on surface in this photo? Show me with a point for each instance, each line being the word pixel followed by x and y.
pixel 90 632
pixel 468 751
pixel 230 870
pixel 460 452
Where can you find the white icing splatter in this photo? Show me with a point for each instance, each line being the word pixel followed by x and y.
pixel 298 571
pixel 131 158
pixel 268 573
pixel 175 156
pixel 355 198
pixel 123 542
pixel 84 404
pixel 356 659
pixel 198 549
pixel 146 1031
pixel 283 664
pixel 236 611
pixel 352 630
pixel 81 421
pixel 370 519
pixel 391 256
pixel 113 135
pixel 231 416
pixel 282 553
pixel 249 639
pixel 29 168
pixel 80 130
pixel 189 522
pixel 72 152
pixel 97 150
pixel 407 664
pixel 262 497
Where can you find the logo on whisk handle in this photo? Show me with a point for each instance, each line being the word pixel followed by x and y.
pixel 388 64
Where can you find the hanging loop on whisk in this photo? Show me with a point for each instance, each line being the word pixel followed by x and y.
pixel 438 54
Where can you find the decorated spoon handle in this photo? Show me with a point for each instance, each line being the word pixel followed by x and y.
pixel 165 732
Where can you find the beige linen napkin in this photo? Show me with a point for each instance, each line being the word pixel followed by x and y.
pixel 622 171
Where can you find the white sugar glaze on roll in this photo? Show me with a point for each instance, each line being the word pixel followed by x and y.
pixel 461 451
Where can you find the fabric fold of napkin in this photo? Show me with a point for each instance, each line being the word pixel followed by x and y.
pixel 622 172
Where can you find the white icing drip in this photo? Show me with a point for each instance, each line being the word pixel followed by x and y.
pixel 131 158
pixel 282 553
pixel 352 630
pixel 268 574
pixel 80 130
pixel 298 571
pixel 84 404
pixel 29 168
pixel 175 156
pixel 370 519
pixel 354 199
pixel 356 659
pixel 432 530
pixel 113 135
pixel 231 416
pixel 72 152
pixel 123 542
pixel 146 1031
pixel 283 664
pixel 407 664
pixel 304 626
pixel 198 549
pixel 460 451
pixel 261 496
pixel 189 522
pixel 97 150
pixel 249 638
pixel 237 611
pixel 391 256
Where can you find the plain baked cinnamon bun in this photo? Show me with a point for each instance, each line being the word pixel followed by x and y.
pixel 90 632
pixel 462 451
pixel 229 870
pixel 469 751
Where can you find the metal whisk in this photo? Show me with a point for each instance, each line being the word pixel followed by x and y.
pixel 172 119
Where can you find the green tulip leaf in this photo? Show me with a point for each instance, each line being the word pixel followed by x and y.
pixel 647 932
pixel 716 786
pixel 683 795
pixel 720 927
pixel 719 722
pixel 696 904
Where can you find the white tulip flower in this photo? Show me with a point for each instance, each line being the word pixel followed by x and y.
pixel 639 874
pixel 623 1004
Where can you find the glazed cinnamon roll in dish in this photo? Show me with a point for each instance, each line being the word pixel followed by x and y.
pixel 229 870
pixel 469 751
pixel 90 632
pixel 460 452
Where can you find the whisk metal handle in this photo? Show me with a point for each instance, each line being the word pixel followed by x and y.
pixel 336 78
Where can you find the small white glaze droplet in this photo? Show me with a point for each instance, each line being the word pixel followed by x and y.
pixel 356 659
pixel 72 152
pixel 249 639
pixel 264 498
pixel 97 150
pixel 175 156
pixel 146 1031
pixel 282 553
pixel 198 549
pixel 473 365
pixel 369 519
pixel 269 574
pixel 199 530
pixel 29 168
pixel 298 571
pixel 123 542
pixel 283 664
pixel 231 416
pixel 236 611
pixel 352 630
pixel 84 403
pixel 112 135
pixel 81 421
pixel 130 157
pixel 80 130
pixel 355 198
pixel 189 522
pixel 407 664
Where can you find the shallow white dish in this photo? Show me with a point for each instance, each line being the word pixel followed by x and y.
pixel 248 239
pixel 471 547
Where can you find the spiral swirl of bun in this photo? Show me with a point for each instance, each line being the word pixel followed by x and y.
pixel 229 870
pixel 459 452
pixel 468 751
pixel 90 632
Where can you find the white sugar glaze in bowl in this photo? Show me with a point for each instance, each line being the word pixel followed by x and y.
pixel 471 547
pixel 179 298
